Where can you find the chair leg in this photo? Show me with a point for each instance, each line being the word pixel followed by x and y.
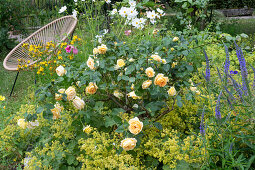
pixel 14 83
pixel 35 78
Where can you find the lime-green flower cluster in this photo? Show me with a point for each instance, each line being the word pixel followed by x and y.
pixel 100 151
pixel 169 148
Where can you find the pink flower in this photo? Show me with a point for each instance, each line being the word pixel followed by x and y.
pixel 128 32
pixel 75 50
pixel 68 48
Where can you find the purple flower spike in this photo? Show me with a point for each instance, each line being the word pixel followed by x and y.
pixel 243 68
pixel 207 72
pixel 237 87
pixel 202 125
pixel 217 108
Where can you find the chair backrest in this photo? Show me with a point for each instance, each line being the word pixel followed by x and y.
pixel 56 31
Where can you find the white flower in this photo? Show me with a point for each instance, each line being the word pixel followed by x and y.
pixel 62 9
pixel 123 11
pixel 161 12
pixel 153 21
pixel 142 20
pixel 135 23
pixel 114 11
pixel 74 13
pixel 99 38
pixel 132 3
pixel 105 31
pixel 132 13
pixel 151 14
pixel 108 1
pixel 75 0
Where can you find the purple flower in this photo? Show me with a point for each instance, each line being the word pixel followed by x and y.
pixel 237 87
pixel 231 72
pixel 217 108
pixel 227 62
pixel 243 68
pixel 235 72
pixel 202 125
pixel 207 72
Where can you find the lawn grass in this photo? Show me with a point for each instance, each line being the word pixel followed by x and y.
pixel 24 82
pixel 238 26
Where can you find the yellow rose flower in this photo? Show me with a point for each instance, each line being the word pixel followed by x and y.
pixel 71 93
pixel 172 49
pixel 2 98
pixel 102 49
pixel 128 144
pixel 95 51
pixel 160 80
pixel 163 61
pixel 175 39
pixel 150 72
pixel 59 96
pixel 87 129
pixel 21 123
pixel 156 57
pixel 78 103
pixel 120 63
pixel 91 88
pixel 135 126
pixel 60 70
pixel 172 91
pixel 91 63
pixel 133 95
pixel 56 113
pixel 146 84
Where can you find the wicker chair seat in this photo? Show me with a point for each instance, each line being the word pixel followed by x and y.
pixel 56 31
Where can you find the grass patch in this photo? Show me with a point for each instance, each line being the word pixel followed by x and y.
pixel 24 84
pixel 238 26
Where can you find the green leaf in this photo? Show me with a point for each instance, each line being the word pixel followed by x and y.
pixel 185 53
pixel 190 10
pixel 120 129
pixel 179 101
pixel 109 122
pixel 70 159
pixel 132 79
pixel 130 69
pixel 39 110
pixel 158 125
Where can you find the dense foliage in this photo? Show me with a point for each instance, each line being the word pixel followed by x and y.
pixel 131 93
